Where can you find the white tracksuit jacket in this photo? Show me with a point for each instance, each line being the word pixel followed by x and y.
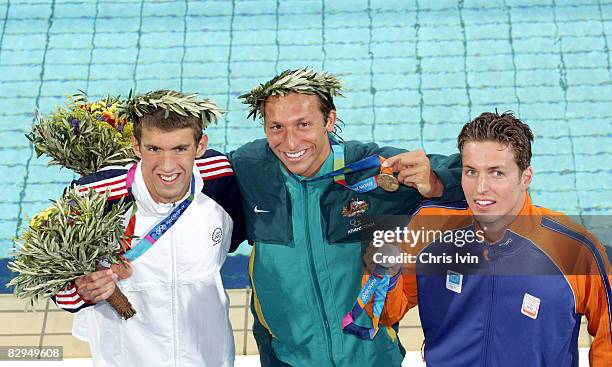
pixel 182 308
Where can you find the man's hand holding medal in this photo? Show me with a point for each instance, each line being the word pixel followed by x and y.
pixel 414 170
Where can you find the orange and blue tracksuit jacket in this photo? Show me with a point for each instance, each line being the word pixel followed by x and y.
pixel 520 304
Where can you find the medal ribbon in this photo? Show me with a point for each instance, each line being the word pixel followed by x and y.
pixel 377 287
pixel 340 169
pixel 158 229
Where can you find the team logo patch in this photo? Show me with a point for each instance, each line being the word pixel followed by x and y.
pixel 354 208
pixel 454 281
pixel 531 306
pixel 217 235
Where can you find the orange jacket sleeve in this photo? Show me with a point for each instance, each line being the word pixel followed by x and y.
pixel 404 296
pixel 399 300
pixel 595 308
pixel 593 299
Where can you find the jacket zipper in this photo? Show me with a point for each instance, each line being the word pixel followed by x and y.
pixel 315 279
pixel 487 333
pixel 173 300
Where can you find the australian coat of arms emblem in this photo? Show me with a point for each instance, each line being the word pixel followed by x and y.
pixel 354 208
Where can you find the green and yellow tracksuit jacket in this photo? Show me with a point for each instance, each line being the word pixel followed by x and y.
pixel 306 264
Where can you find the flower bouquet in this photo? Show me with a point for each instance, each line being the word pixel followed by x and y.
pixel 84 136
pixel 67 240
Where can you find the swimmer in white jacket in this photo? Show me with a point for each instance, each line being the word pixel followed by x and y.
pixel 182 310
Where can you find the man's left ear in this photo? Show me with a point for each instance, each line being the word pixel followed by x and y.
pixel 136 147
pixel 331 121
pixel 526 178
pixel 202 145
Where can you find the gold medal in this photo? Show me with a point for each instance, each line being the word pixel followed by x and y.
pixel 385 179
pixel 388 182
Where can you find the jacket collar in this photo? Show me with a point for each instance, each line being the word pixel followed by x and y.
pixel 525 221
pixel 146 203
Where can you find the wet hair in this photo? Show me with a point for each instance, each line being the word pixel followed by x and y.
pixel 504 129
pixel 164 120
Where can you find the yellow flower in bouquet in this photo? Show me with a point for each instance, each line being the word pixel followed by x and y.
pixel 42 218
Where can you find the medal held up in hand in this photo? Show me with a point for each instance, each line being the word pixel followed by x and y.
pixel 386 180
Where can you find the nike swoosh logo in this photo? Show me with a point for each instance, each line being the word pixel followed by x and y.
pixel 259 210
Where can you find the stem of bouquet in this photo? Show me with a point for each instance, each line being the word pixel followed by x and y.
pixel 119 301
pixel 121 304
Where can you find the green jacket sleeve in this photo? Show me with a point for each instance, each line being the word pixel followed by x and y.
pixel 448 170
